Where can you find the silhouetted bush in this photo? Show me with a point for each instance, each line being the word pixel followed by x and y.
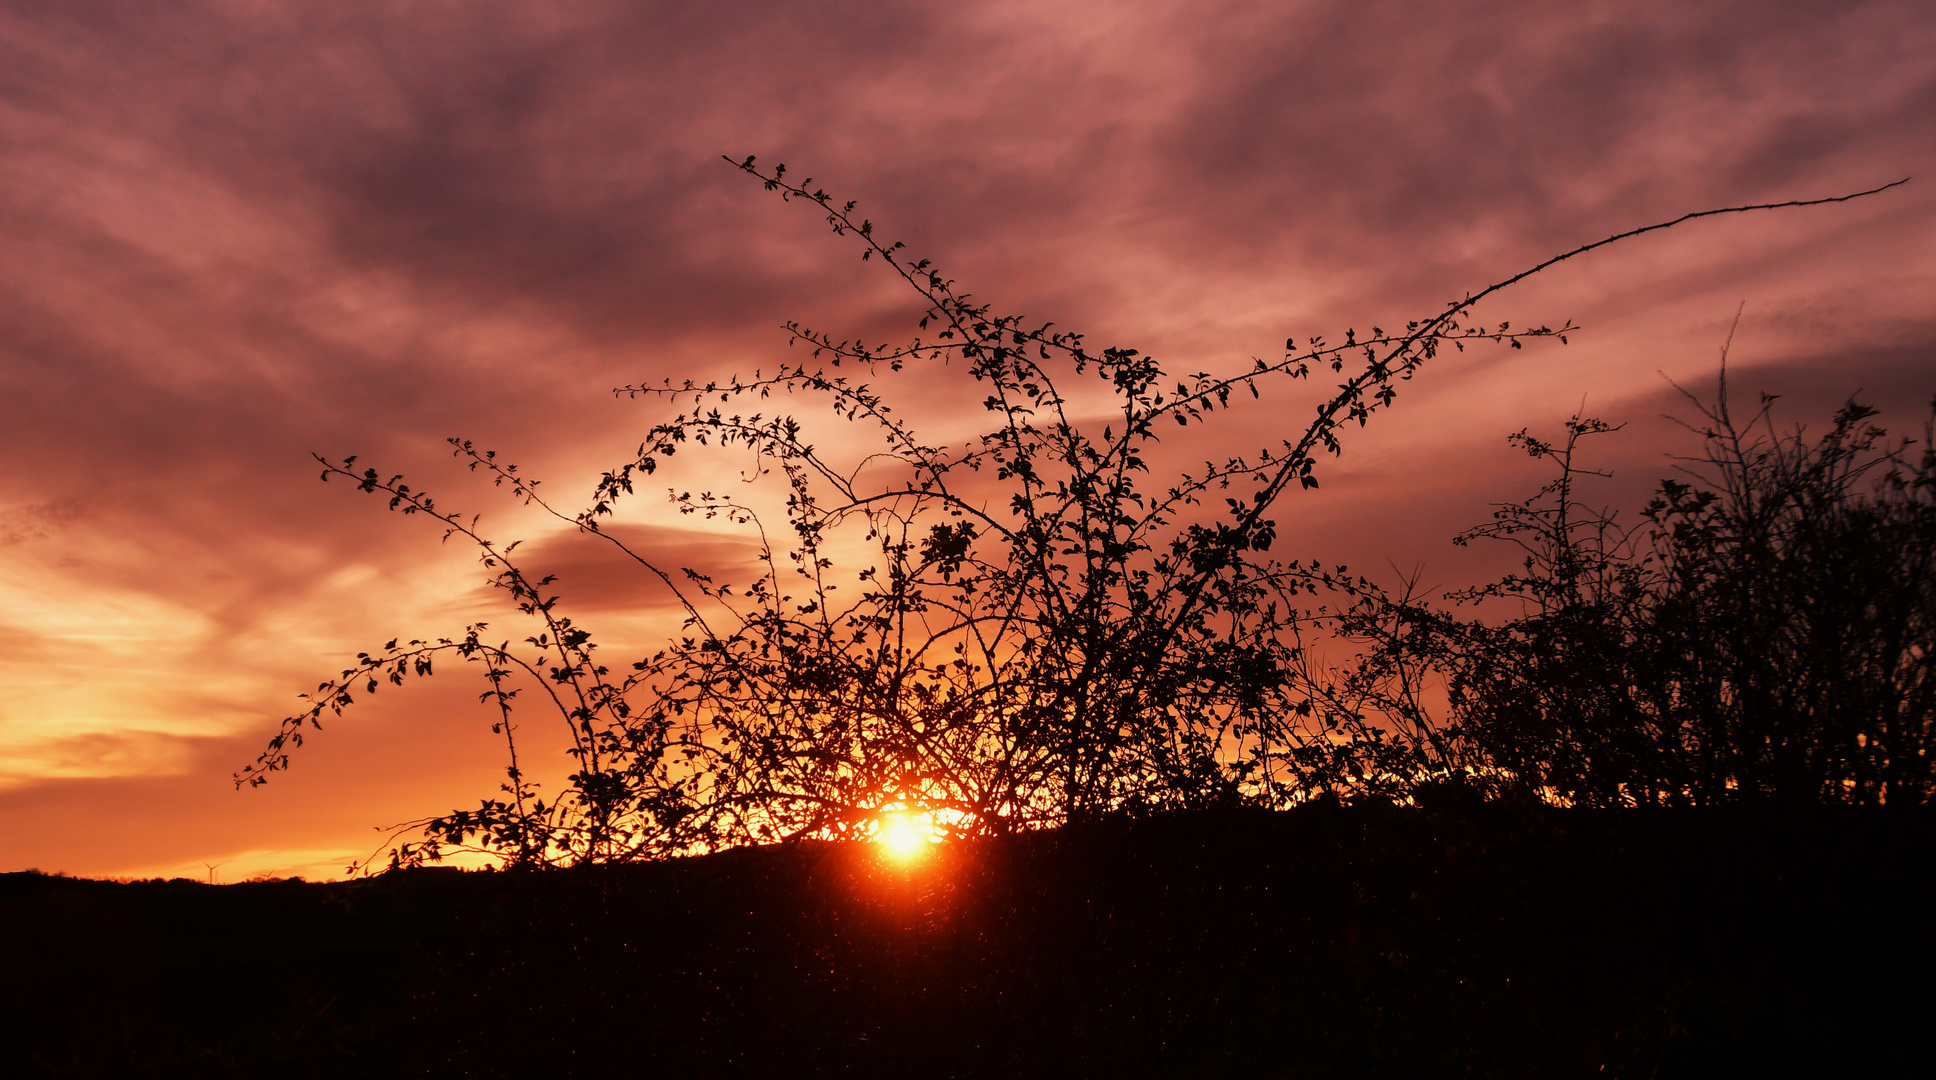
pixel 1766 634
pixel 1045 631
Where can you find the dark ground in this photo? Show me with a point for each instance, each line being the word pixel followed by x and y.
pixel 1478 940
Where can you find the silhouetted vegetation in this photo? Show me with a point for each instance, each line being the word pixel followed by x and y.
pixel 1655 805
pixel 1763 635
pixel 1045 631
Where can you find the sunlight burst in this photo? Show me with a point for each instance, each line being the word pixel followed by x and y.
pixel 903 838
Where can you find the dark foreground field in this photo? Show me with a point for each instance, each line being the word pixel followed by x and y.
pixel 1479 940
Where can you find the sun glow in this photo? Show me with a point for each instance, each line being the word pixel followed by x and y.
pixel 903 837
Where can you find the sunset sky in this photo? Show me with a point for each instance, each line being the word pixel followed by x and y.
pixel 233 233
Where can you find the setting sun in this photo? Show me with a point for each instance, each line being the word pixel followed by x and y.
pixel 902 837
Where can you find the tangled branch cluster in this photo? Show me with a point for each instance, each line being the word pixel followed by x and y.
pixel 1042 632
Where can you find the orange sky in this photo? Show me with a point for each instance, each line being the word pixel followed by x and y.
pixel 237 233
